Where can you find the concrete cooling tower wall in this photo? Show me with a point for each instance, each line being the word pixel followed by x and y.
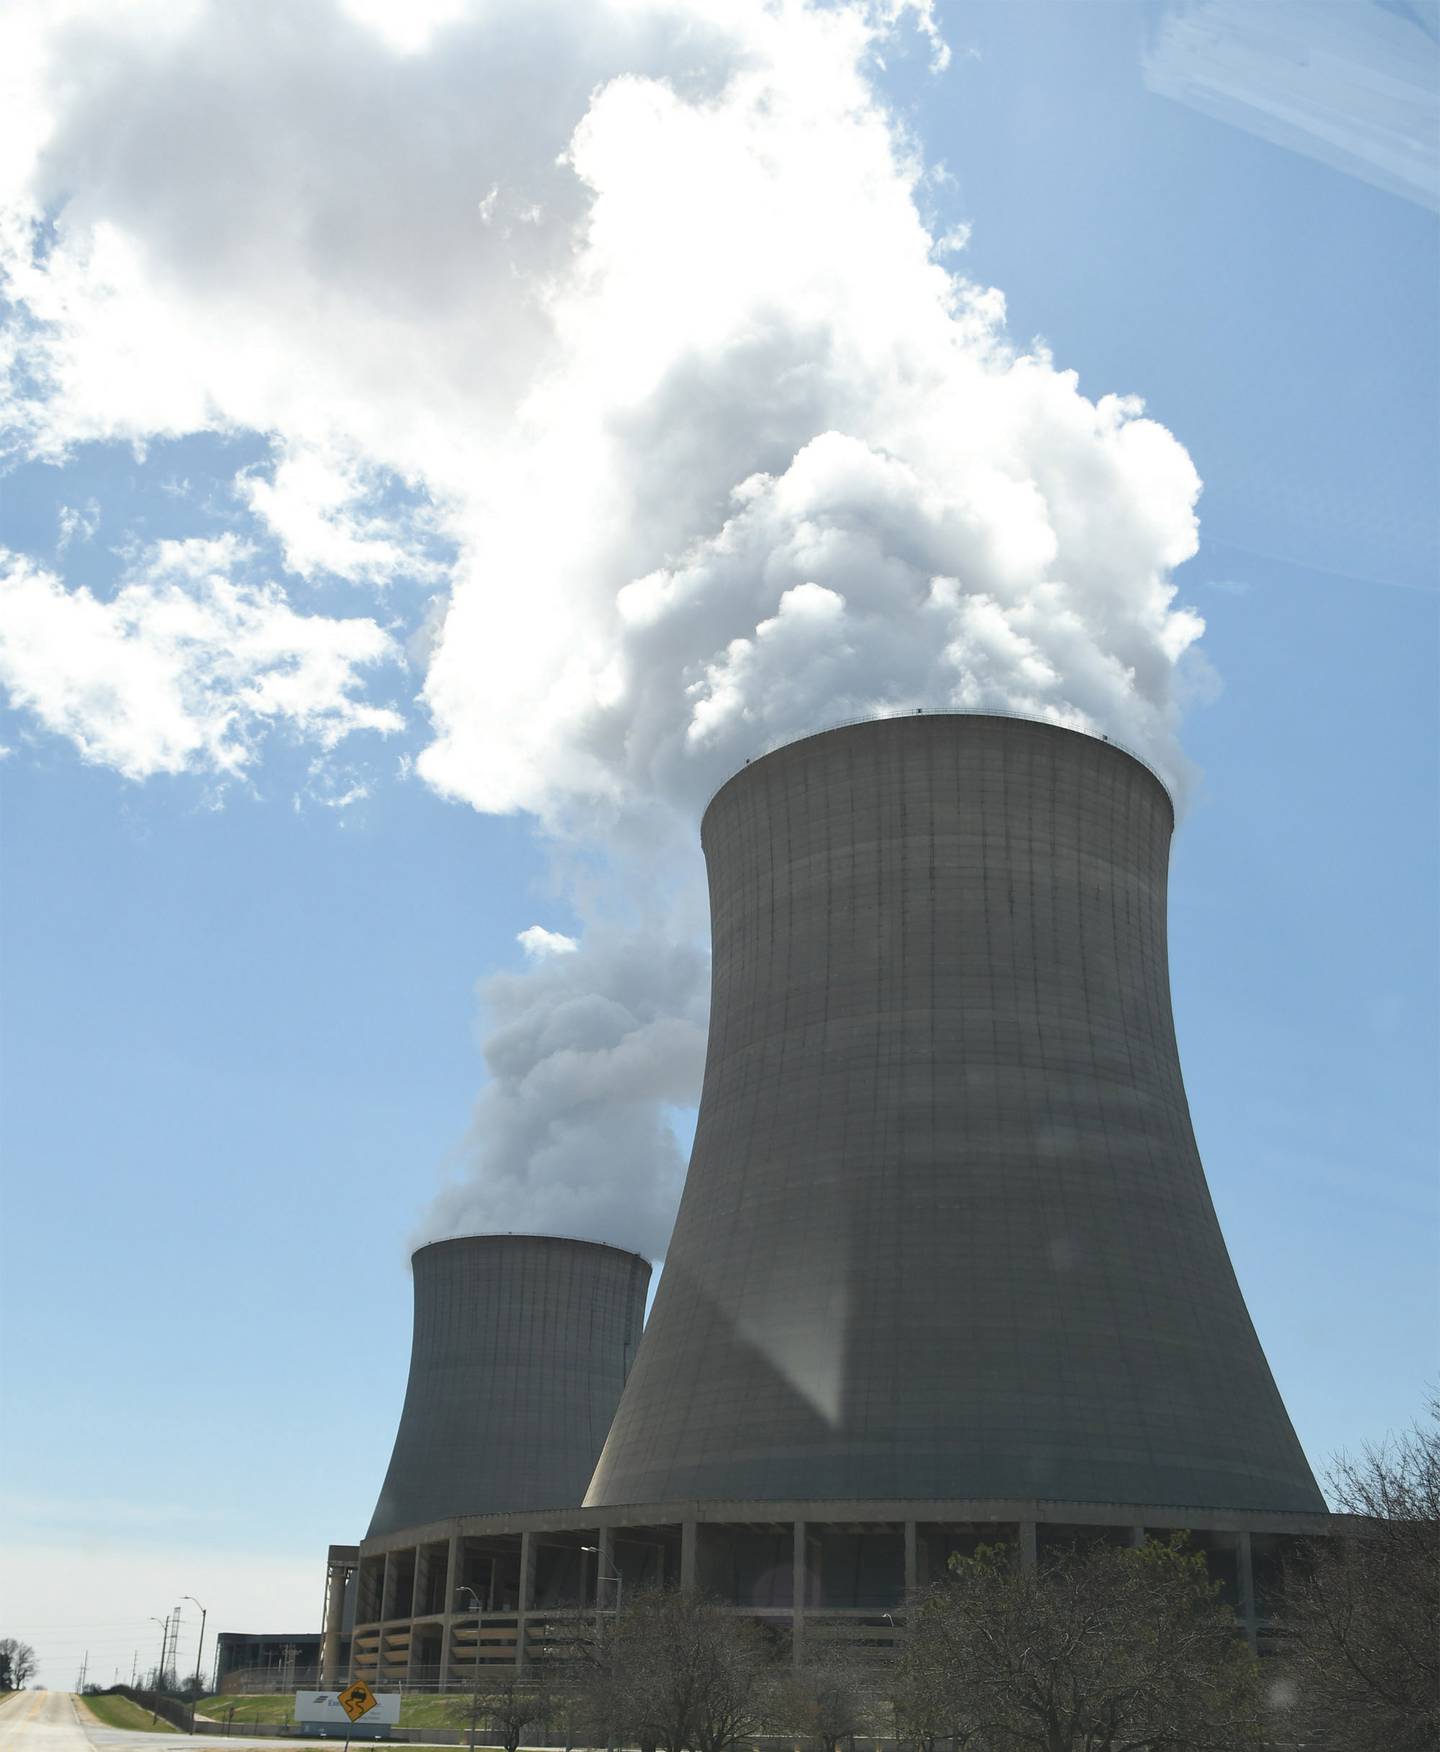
pixel 946 1233
pixel 521 1347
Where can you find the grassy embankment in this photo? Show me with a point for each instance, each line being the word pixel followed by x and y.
pixel 120 1712
pixel 249 1709
pixel 449 1710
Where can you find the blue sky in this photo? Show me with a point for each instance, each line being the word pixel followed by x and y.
pixel 241 1026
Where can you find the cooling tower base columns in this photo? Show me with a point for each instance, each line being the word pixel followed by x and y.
pixel 818 1573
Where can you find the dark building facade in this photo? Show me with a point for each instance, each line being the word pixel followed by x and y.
pixel 521 1347
pixel 258 1663
pixel 946 1232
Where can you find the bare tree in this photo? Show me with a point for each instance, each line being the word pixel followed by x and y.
pixel 510 1706
pixel 737 1674
pixel 624 1693
pixel 678 1671
pixel 924 1694
pixel 1108 1649
pixel 825 1700
pixel 1363 1609
pixel 17 1664
pixel 575 1714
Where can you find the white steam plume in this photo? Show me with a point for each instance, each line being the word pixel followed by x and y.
pixel 588 1049
pixel 643 301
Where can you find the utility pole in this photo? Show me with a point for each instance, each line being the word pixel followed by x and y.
pixel 164 1649
pixel 475 1690
pixel 200 1648
pixel 84 1669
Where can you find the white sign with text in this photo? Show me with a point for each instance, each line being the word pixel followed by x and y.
pixel 324 1706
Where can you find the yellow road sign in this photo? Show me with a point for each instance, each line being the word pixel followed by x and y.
pixel 357 1700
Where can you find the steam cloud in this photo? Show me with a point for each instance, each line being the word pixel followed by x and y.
pixel 644 308
pixel 588 1051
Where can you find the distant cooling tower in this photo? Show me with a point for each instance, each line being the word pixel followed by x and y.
pixel 521 1347
pixel 946 1233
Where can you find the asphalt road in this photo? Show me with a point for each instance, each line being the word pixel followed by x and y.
pixel 48 1721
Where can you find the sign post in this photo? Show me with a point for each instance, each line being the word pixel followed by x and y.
pixel 356 1700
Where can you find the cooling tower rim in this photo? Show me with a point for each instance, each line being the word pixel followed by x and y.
pixel 526 1235
pixel 944 712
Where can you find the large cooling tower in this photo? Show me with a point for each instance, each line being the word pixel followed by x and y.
pixel 945 1231
pixel 521 1346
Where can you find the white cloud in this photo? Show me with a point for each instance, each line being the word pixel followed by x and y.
pixel 76 522
pixel 184 667
pixel 639 304
pixel 408 28
pixel 952 242
pixel 537 942
pixel 765 381
pixel 320 505
pixel 194 280
pixel 578 325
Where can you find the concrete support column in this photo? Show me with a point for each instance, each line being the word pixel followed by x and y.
pixel 419 1587
pixel 452 1600
pixel 799 1588
pixel 912 1566
pixel 330 1675
pixel 447 1672
pixel 1137 1536
pixel 689 1542
pixel 527 1594
pixel 1027 1545
pixel 1245 1567
pixel 605 1569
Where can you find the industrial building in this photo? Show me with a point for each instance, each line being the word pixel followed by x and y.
pixel 261 1663
pixel 946 1268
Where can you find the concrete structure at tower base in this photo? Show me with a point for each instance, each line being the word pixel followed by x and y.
pixel 817 1573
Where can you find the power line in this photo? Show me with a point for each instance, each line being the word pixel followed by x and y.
pixel 81 1624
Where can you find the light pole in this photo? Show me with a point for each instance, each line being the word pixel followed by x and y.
pixel 475 1690
pixel 200 1651
pixel 614 1576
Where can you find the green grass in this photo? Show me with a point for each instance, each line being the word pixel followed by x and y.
pixel 120 1712
pixel 250 1709
pixel 449 1709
